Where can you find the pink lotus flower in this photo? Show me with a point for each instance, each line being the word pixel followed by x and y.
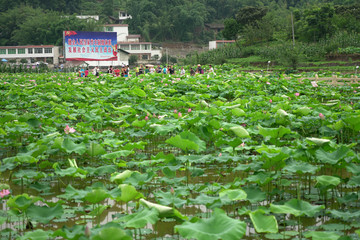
pixel 180 115
pixel 242 145
pixel 220 154
pixel 59 84
pixel 321 116
pixel 165 84
pixel 68 129
pixel 146 118
pixel 5 82
pixel 4 193
pixel 69 78
pixel 175 111
pixel 35 84
pixel 314 84
pixel 31 80
pixel 177 79
pixel 268 83
pixel 270 101
pixel 82 82
pixel 154 115
pixel 162 81
pixel 172 190
pixel 297 94
pixel 189 110
pixel 208 86
pixel 173 82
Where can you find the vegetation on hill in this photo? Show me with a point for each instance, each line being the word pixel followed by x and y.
pixel 263 27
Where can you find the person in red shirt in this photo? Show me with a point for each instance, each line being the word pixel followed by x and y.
pixel 117 72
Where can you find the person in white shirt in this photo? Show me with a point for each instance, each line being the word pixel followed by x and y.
pixel 182 71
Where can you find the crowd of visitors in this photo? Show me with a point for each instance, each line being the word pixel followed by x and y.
pixel 124 70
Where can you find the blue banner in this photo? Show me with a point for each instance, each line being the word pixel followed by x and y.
pixel 90 46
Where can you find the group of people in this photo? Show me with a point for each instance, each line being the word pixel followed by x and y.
pixel 117 72
pixel 124 70
pixel 85 73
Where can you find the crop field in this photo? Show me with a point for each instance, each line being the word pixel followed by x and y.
pixel 231 155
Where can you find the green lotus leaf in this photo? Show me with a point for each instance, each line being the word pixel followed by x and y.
pixel 120 177
pixel 297 208
pixel 128 193
pixel 354 122
pixel 233 194
pixel 187 141
pixel 111 233
pixel 21 202
pixel 218 226
pixel 96 149
pixel 38 234
pixel 44 214
pixel 97 195
pixel 240 132
pixel 141 218
pixel 300 167
pixel 165 129
pixel 138 123
pixel 344 215
pixel 303 111
pixel 70 146
pixel 238 112
pixel 263 223
pixel 274 132
pixel 325 180
pixel 118 154
pixel 208 201
pixel 254 195
pixel 322 235
pixel 333 157
pixel 318 141
pixel 139 92
pixel 164 211
pixel 170 199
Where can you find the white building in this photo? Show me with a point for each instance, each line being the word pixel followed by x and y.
pixel 89 17
pixel 132 44
pixel 219 43
pixel 31 53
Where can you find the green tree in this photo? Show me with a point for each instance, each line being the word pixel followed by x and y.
pixel 315 23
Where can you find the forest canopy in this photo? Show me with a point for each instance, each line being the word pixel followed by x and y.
pixel 251 21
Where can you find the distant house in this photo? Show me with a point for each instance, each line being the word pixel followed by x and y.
pixel 219 43
pixel 32 53
pixel 89 17
pixel 216 27
pixel 132 44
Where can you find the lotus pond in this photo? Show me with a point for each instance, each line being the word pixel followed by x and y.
pixel 228 156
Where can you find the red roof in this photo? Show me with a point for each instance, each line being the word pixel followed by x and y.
pixel 29 46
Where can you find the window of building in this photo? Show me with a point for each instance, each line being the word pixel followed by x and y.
pixel 48 50
pixel 109 29
pixel 2 51
pixel 38 50
pixel 21 51
pixel 11 51
pixel 145 57
pixel 124 46
pixel 135 47
pixel 30 51
pixel 145 46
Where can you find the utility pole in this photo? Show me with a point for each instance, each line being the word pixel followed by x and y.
pixel 293 31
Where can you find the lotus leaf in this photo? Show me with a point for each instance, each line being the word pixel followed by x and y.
pixel 219 226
